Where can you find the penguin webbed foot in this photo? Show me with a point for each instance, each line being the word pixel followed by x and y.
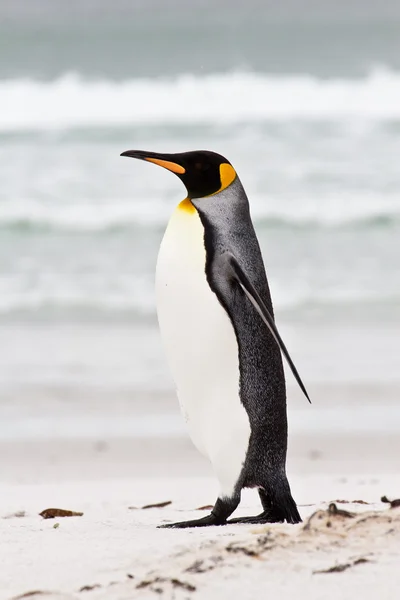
pixel 207 521
pixel 223 508
pixel 264 517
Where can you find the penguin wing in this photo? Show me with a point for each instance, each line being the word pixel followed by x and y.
pixel 237 273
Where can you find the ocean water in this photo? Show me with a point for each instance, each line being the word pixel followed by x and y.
pixel 303 100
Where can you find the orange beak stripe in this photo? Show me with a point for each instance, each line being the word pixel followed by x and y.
pixel 171 166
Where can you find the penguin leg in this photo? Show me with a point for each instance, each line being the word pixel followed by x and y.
pixel 272 511
pixel 223 508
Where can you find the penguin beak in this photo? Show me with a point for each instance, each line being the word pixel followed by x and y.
pixel 163 160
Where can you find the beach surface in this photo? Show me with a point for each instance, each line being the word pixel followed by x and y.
pixel 115 551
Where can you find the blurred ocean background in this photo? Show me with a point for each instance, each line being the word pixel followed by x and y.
pixel 303 97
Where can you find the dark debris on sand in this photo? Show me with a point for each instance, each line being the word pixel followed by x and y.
pixel 204 565
pixel 53 513
pixel 30 594
pixel 351 502
pixel 393 503
pixel 155 505
pixel 327 517
pixel 342 567
pixel 157 584
pixel 89 588
pixel 19 514
pixel 205 507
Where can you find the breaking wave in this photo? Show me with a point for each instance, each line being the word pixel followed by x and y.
pixel 72 101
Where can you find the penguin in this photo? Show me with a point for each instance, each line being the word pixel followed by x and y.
pixel 224 350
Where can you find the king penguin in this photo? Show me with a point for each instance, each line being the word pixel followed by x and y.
pixel 217 325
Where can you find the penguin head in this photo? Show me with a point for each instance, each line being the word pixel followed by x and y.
pixel 202 172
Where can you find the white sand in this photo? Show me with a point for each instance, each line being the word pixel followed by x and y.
pixel 111 540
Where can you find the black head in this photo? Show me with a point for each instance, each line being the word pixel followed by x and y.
pixel 202 172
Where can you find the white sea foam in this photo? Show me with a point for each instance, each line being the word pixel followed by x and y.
pixel 78 217
pixel 66 292
pixel 72 101
pixel 135 296
pixel 346 210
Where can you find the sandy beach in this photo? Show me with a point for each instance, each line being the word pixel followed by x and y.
pixel 114 550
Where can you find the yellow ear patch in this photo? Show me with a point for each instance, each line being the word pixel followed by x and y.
pixel 171 166
pixel 227 174
pixel 186 206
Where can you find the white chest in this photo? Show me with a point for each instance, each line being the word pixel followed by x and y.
pixel 201 347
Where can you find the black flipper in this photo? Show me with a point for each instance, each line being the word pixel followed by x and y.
pixel 259 305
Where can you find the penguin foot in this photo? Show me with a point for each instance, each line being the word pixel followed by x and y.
pixel 265 517
pixel 204 522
